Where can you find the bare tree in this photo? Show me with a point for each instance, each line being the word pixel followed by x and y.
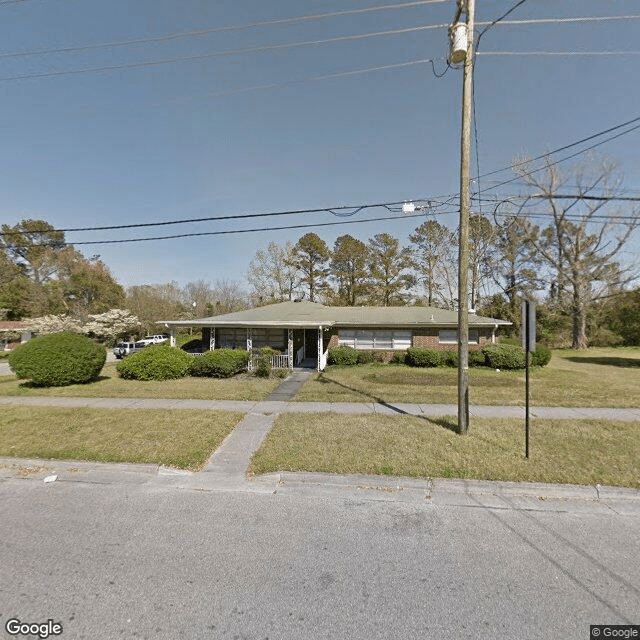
pixel 272 275
pixel 582 244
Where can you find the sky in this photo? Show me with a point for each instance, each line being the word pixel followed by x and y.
pixel 207 115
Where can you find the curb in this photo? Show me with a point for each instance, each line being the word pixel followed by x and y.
pixel 435 491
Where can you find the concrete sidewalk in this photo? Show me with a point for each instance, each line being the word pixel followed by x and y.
pixel 226 469
pixel 285 406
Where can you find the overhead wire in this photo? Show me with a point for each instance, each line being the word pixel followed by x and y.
pixel 238 231
pixel 212 30
pixel 339 210
pixel 217 54
pixel 473 91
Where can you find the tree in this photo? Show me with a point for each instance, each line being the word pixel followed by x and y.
pixel 227 296
pixel 14 288
pixel 432 253
pixel 349 269
pixel 516 264
pixel 389 270
pixel 33 244
pixel 151 303
pixel 481 236
pixel 585 237
pixel 310 257
pixel 272 274
pixel 112 324
pixel 85 285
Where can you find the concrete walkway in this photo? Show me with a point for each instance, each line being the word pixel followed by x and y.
pixel 285 406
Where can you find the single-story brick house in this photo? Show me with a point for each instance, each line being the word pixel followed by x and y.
pixel 304 331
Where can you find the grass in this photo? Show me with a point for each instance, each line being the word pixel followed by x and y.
pixel 561 451
pixel 597 377
pixel 183 439
pixel 110 385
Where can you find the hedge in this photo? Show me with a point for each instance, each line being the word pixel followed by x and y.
pixel 156 362
pixel 219 363
pixel 58 359
pixel 504 356
pixel 418 357
pixel 541 356
pixel 342 355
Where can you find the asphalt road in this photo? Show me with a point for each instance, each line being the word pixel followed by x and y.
pixel 143 559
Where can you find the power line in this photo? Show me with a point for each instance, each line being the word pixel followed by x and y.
pixel 559 53
pixel 217 54
pixel 497 20
pixel 230 28
pixel 563 148
pixel 234 231
pixel 327 76
pixel 345 210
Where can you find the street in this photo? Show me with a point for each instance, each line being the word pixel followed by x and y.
pixel 149 559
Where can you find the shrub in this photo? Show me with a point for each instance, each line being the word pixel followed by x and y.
pixel 417 357
pixel 398 357
pixel 58 359
pixel 450 358
pixel 342 355
pixel 504 356
pixel 155 362
pixel 220 363
pixel 367 357
pixel 476 358
pixel 263 370
pixel 541 356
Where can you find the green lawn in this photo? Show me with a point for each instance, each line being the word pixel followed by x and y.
pixel 110 385
pixel 592 378
pixel 561 451
pixel 184 439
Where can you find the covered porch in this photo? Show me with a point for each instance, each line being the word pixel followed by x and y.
pixel 295 347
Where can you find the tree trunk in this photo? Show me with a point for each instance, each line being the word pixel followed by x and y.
pixel 579 320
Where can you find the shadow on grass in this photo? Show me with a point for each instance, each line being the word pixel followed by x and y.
pixel 28 384
pixel 612 362
pixel 442 422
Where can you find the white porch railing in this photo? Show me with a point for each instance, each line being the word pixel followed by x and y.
pixel 280 361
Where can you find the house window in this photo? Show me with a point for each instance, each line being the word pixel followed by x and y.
pixel 274 338
pixel 374 339
pixel 450 336
pixel 231 338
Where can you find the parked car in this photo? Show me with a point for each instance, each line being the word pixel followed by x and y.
pixel 157 338
pixel 123 349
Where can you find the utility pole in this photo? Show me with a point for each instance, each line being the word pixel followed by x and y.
pixel 468 7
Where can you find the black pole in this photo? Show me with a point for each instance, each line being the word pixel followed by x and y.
pixel 526 368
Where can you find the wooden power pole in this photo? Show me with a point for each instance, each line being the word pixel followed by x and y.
pixel 468 7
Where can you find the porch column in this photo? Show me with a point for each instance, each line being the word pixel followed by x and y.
pixel 320 348
pixel 290 348
pixel 212 339
pixel 249 345
pixel 172 337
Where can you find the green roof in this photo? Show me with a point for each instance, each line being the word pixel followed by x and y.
pixel 312 314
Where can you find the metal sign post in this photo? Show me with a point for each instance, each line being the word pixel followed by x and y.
pixel 529 345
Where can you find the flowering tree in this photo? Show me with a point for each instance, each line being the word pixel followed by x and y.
pixel 111 324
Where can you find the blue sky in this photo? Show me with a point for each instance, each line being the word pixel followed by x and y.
pixel 191 139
